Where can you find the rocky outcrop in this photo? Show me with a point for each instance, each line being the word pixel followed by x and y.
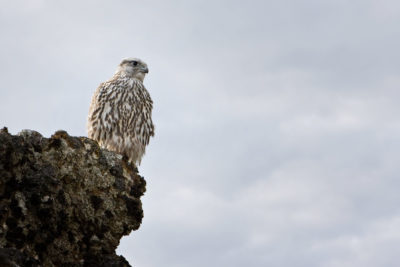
pixel 64 201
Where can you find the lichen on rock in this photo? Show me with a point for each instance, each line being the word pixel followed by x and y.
pixel 64 201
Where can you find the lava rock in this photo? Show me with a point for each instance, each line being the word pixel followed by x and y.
pixel 64 201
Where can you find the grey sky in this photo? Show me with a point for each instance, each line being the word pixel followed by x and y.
pixel 277 122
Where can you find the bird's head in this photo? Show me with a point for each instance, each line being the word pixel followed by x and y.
pixel 134 68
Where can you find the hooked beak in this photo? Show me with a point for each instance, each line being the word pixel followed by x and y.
pixel 145 70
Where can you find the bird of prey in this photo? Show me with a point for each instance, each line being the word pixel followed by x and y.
pixel 120 112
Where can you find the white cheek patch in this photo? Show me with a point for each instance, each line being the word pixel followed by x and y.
pixel 129 68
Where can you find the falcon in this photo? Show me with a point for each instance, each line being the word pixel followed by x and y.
pixel 120 112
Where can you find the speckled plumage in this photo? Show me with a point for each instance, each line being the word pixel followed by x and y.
pixel 120 112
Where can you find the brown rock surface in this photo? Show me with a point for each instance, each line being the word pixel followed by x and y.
pixel 64 201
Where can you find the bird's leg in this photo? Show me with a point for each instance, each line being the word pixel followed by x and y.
pixel 128 162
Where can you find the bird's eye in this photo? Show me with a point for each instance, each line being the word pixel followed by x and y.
pixel 134 63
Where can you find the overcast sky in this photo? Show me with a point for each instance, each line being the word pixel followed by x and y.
pixel 277 122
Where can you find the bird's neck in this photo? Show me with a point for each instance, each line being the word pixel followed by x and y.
pixel 125 75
